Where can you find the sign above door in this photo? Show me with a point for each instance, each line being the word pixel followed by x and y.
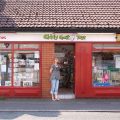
pixel 61 37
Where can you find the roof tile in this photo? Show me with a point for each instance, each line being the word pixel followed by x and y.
pixel 60 13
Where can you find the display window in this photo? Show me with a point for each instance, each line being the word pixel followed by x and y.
pixel 26 68
pixel 5 68
pixel 106 65
pixel 20 65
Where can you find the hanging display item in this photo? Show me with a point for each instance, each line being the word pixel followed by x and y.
pixel 36 66
pixel 0 78
pixel 36 54
pixel 3 68
pixel 21 62
pixel 117 61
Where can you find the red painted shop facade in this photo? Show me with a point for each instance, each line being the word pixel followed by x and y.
pixel 90 64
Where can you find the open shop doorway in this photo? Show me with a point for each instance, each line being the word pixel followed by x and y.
pixel 65 53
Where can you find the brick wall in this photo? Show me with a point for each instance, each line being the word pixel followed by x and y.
pixel 47 60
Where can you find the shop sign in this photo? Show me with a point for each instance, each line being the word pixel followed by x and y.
pixel 64 37
pixel 72 37
pixel 118 37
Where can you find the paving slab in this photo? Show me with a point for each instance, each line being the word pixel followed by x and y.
pixel 48 105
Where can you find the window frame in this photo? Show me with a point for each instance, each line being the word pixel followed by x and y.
pixel 103 50
pixel 23 49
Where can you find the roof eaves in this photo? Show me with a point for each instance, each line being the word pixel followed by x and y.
pixel 61 29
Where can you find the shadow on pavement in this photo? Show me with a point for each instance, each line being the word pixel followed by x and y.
pixel 27 115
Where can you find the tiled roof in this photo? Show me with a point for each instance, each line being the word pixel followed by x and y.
pixel 60 13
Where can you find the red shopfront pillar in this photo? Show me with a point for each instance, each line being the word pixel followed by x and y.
pixel 83 70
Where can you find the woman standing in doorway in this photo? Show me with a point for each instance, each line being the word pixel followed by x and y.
pixel 55 77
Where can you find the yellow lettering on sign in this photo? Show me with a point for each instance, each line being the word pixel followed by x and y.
pixel 63 36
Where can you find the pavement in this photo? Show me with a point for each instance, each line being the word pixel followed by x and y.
pixel 59 116
pixel 72 105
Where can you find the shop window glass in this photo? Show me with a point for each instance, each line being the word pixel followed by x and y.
pixel 5 68
pixel 5 46
pixel 26 68
pixel 31 46
pixel 106 69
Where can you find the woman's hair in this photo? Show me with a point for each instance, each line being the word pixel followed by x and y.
pixel 55 58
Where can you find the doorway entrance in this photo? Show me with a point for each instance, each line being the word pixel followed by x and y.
pixel 65 53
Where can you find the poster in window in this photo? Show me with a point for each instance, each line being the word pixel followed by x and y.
pixel 31 62
pixel 117 61
pixel 36 66
pixel 17 83
pixel 7 83
pixel 29 75
pixel 0 59
pixel 27 83
pixel 3 68
pixel 36 54
pixel 99 75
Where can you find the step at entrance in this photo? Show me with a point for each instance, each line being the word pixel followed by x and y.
pixel 66 96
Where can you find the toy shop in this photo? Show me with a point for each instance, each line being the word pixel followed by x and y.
pixel 90 64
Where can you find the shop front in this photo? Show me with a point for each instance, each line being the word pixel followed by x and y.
pixel 90 64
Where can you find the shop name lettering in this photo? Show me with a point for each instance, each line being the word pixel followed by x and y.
pixel 64 37
pixel 2 37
